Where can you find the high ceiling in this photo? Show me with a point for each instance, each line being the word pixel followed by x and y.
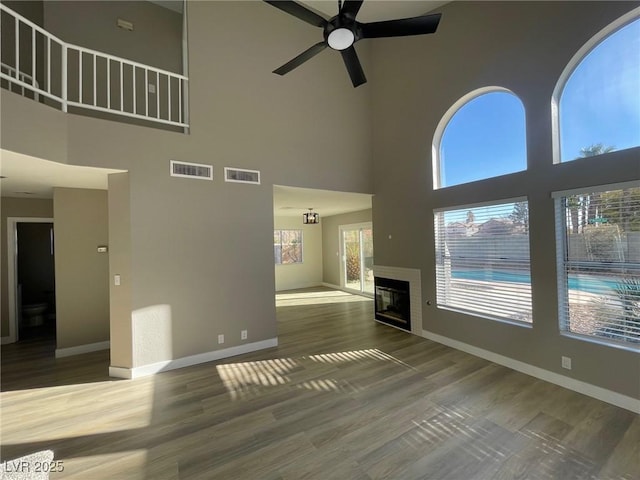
pixel 378 10
pixel 293 201
pixel 371 11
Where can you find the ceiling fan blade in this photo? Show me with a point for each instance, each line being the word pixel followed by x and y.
pixel 350 8
pixel 300 59
pixel 354 68
pixel 298 11
pixel 401 28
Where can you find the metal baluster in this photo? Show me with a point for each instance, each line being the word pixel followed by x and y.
pixel 135 107
pixel 65 89
pixel 33 57
pixel 49 64
pixel 17 25
pixel 146 90
pixel 80 99
pixel 109 83
pixel 121 87
pixel 180 100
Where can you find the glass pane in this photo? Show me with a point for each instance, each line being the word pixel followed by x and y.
pixel 484 138
pixel 351 245
pixel 600 103
pixel 602 264
pixel 367 255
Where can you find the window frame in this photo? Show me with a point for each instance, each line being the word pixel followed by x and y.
pixel 570 67
pixel 444 122
pixel 301 232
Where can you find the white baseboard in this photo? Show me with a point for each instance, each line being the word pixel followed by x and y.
pixel 342 289
pixel 614 398
pixel 152 369
pixel 80 349
pixel 7 340
pixel 298 286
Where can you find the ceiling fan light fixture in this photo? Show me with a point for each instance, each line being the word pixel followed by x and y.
pixel 341 38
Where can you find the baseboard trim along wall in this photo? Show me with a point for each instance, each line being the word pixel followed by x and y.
pixel 80 349
pixel 298 286
pixel 6 340
pixel 152 369
pixel 599 393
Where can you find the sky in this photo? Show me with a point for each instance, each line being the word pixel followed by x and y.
pixel 600 103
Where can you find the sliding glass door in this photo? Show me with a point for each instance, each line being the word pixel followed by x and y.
pixel 356 243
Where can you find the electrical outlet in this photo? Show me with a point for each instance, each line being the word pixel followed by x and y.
pixel 220 338
pixel 243 335
pixel 566 363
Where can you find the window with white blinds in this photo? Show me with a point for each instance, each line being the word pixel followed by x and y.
pixel 482 260
pixel 599 262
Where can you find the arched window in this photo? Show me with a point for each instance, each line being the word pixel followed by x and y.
pixel 599 94
pixel 481 136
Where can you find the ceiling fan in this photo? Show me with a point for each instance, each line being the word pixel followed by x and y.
pixel 343 30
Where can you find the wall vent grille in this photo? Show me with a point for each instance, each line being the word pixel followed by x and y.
pixel 240 175
pixel 191 170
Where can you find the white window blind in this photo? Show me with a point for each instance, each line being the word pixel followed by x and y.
pixel 482 260
pixel 599 263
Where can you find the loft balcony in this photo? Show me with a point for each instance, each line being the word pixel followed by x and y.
pixel 37 64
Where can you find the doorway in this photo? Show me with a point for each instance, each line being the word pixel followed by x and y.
pixel 31 285
pixel 356 245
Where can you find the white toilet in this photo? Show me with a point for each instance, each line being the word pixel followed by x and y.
pixel 33 314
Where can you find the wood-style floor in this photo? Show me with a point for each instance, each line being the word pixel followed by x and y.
pixel 342 397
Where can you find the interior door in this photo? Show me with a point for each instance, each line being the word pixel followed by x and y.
pixel 357 257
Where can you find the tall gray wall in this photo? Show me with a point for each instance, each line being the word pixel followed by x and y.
pixel 522 46
pixel 82 273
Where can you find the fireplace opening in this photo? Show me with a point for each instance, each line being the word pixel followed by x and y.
pixel 392 302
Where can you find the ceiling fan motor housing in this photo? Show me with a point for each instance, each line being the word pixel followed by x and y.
pixel 336 24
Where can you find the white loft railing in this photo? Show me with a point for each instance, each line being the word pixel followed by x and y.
pixel 73 76
pixel 13 73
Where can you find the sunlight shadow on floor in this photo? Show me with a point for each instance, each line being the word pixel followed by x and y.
pixel 248 379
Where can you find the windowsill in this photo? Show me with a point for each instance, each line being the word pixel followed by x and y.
pixel 507 321
pixel 600 341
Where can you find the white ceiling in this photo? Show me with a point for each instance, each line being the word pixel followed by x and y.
pixel 30 177
pixel 293 201
pixel 371 11
pixel 378 10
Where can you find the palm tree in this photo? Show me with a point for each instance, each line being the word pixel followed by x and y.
pixel 591 204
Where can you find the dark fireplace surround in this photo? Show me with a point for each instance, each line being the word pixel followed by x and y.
pixel 392 304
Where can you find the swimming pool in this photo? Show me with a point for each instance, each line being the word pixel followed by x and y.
pixel 584 283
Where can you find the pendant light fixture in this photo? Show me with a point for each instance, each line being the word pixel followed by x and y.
pixel 310 217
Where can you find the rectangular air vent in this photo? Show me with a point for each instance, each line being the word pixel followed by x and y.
pixel 191 170
pixel 240 175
